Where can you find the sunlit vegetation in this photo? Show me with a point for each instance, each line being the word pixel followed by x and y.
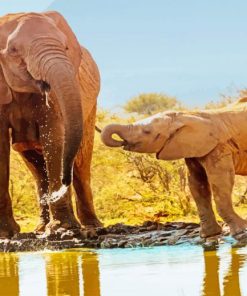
pixel 128 187
pixel 150 103
pixel 226 100
pixel 23 192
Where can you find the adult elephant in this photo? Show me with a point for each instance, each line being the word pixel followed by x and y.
pixel 48 90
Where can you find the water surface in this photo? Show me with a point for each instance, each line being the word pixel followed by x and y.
pixel 179 270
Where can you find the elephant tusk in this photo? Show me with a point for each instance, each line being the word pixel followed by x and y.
pixel 47 99
pixel 44 88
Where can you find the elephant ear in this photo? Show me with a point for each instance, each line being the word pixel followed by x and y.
pixel 5 92
pixel 74 48
pixel 8 24
pixel 190 136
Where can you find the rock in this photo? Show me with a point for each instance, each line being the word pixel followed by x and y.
pixel 121 244
pixel 120 228
pixel 101 231
pixel 181 232
pixel 192 226
pixel 199 240
pixel 210 245
pixel 88 233
pixel 58 245
pixel 69 234
pixel 172 240
pixel 242 236
pixel 149 234
pixel 148 223
pixel 19 236
pixel 108 243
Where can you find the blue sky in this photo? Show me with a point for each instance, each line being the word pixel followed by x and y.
pixel 194 50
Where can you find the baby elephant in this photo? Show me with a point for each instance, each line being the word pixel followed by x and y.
pixel 214 146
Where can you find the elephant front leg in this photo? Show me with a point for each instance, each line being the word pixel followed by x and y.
pixel 220 171
pixel 201 193
pixel 60 206
pixel 36 164
pixel 8 225
pixel 84 197
pixel 62 215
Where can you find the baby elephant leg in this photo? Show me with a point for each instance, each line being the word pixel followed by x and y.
pixel 220 171
pixel 201 193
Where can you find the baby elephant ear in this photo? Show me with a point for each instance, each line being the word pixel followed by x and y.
pixel 196 136
pixel 5 92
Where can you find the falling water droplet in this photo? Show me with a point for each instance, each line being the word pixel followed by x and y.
pixel 43 199
pixel 57 195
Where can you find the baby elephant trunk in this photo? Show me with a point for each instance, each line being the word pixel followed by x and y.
pixel 110 130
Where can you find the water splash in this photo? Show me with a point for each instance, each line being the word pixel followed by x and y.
pixel 57 195
pixel 43 199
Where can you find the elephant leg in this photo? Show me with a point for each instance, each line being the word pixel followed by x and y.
pixel 36 164
pixel 220 171
pixel 201 193
pixel 8 225
pixel 60 205
pixel 84 197
pixel 82 176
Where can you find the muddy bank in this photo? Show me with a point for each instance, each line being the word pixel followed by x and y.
pixel 117 236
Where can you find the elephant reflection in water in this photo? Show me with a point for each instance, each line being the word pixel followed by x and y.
pixel 231 284
pixel 72 273
pixel 9 274
pixel 91 274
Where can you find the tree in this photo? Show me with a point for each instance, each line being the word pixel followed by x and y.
pixel 150 103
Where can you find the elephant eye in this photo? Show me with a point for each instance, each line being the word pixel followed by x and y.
pixel 146 132
pixel 12 50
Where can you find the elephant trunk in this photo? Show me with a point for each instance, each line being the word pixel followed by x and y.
pixel 109 130
pixel 54 70
pixel 67 92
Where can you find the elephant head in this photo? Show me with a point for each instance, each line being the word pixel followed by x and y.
pixel 170 135
pixel 40 54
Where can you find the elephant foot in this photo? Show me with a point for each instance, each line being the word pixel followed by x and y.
pixel 59 227
pixel 90 231
pixel 44 217
pixel 237 226
pixel 210 230
pixel 8 227
pixel 90 220
pixel 212 243
pixel 241 236
pixel 40 228
pixel 93 223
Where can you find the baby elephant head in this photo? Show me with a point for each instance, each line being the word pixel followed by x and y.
pixel 171 135
pixel 148 135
